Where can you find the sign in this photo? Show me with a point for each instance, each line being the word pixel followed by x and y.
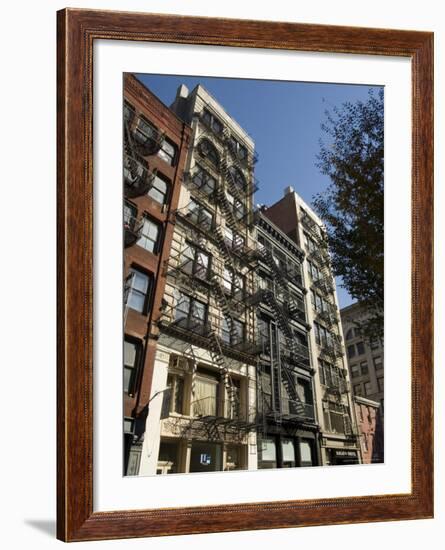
pixel 205 459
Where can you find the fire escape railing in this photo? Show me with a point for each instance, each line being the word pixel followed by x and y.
pixel 132 229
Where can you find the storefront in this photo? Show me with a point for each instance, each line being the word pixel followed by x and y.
pixel 339 457
pixel 279 451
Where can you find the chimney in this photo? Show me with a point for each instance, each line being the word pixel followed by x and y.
pixel 182 91
pixel 288 190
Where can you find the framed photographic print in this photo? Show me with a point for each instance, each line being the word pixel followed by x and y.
pixel 244 275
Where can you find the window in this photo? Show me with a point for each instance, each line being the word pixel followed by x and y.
pixel 329 375
pixel 349 334
pixel 351 351
pixel 358 390
pixel 208 150
pixel 228 279
pixel 306 453
pixel 130 214
pixel 128 112
pixel 168 152
pixel 234 458
pixel 233 282
pixel 137 296
pixel 196 262
pixel 232 331
pixel 190 310
pixel 205 394
pixel 380 382
pixel 203 180
pixel 355 371
pixel 304 391
pixel 237 178
pixel 128 425
pixel 132 350
pixel 174 397
pixel 267 453
pixel 228 237
pixel 159 190
pixel 212 121
pixel 378 364
pixel 368 388
pixel 360 348
pixel 200 215
pixel 145 132
pixel 364 367
pixel 236 206
pixel 236 148
pixel 288 453
pixel 150 234
pixel 374 343
pixel 334 417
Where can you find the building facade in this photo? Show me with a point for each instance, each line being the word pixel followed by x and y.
pixel 205 367
pixel 155 146
pixel 233 354
pixel 370 429
pixel 334 405
pixel 288 433
pixel 366 367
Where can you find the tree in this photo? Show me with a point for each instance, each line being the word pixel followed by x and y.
pixel 352 205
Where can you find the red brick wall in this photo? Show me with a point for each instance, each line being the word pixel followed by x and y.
pixel 143 327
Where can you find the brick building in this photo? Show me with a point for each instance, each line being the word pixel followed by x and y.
pixel 366 367
pixel 155 146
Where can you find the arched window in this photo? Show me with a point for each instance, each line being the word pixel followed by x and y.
pixel 237 177
pixel 208 150
pixel 349 334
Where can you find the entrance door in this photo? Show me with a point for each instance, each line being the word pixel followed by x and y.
pixel 205 457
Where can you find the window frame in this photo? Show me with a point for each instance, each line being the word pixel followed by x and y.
pixel 147 294
pixel 130 390
pixel 157 243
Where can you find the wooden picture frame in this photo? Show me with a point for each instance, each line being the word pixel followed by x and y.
pixel 77 31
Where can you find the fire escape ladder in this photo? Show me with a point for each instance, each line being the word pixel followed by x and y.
pixel 223 248
pixel 230 218
pixel 228 178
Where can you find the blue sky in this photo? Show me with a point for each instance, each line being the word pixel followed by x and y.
pixel 283 118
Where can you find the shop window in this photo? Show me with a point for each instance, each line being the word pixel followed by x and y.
pixel 306 451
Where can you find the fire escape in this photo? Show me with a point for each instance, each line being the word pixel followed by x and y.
pixel 199 275
pixel 141 140
pixel 282 352
pixel 330 348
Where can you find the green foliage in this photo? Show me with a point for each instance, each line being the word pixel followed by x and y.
pixel 352 205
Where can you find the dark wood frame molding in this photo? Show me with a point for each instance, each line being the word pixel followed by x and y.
pixel 77 30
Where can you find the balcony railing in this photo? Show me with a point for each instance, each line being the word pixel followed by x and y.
pixel 148 141
pixel 319 255
pixel 294 409
pixel 210 408
pixel 205 332
pixel 137 177
pixel 132 229
pixel 310 224
pixel 288 410
pixel 323 285
pixel 328 316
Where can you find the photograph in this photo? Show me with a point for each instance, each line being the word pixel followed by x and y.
pixel 253 274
